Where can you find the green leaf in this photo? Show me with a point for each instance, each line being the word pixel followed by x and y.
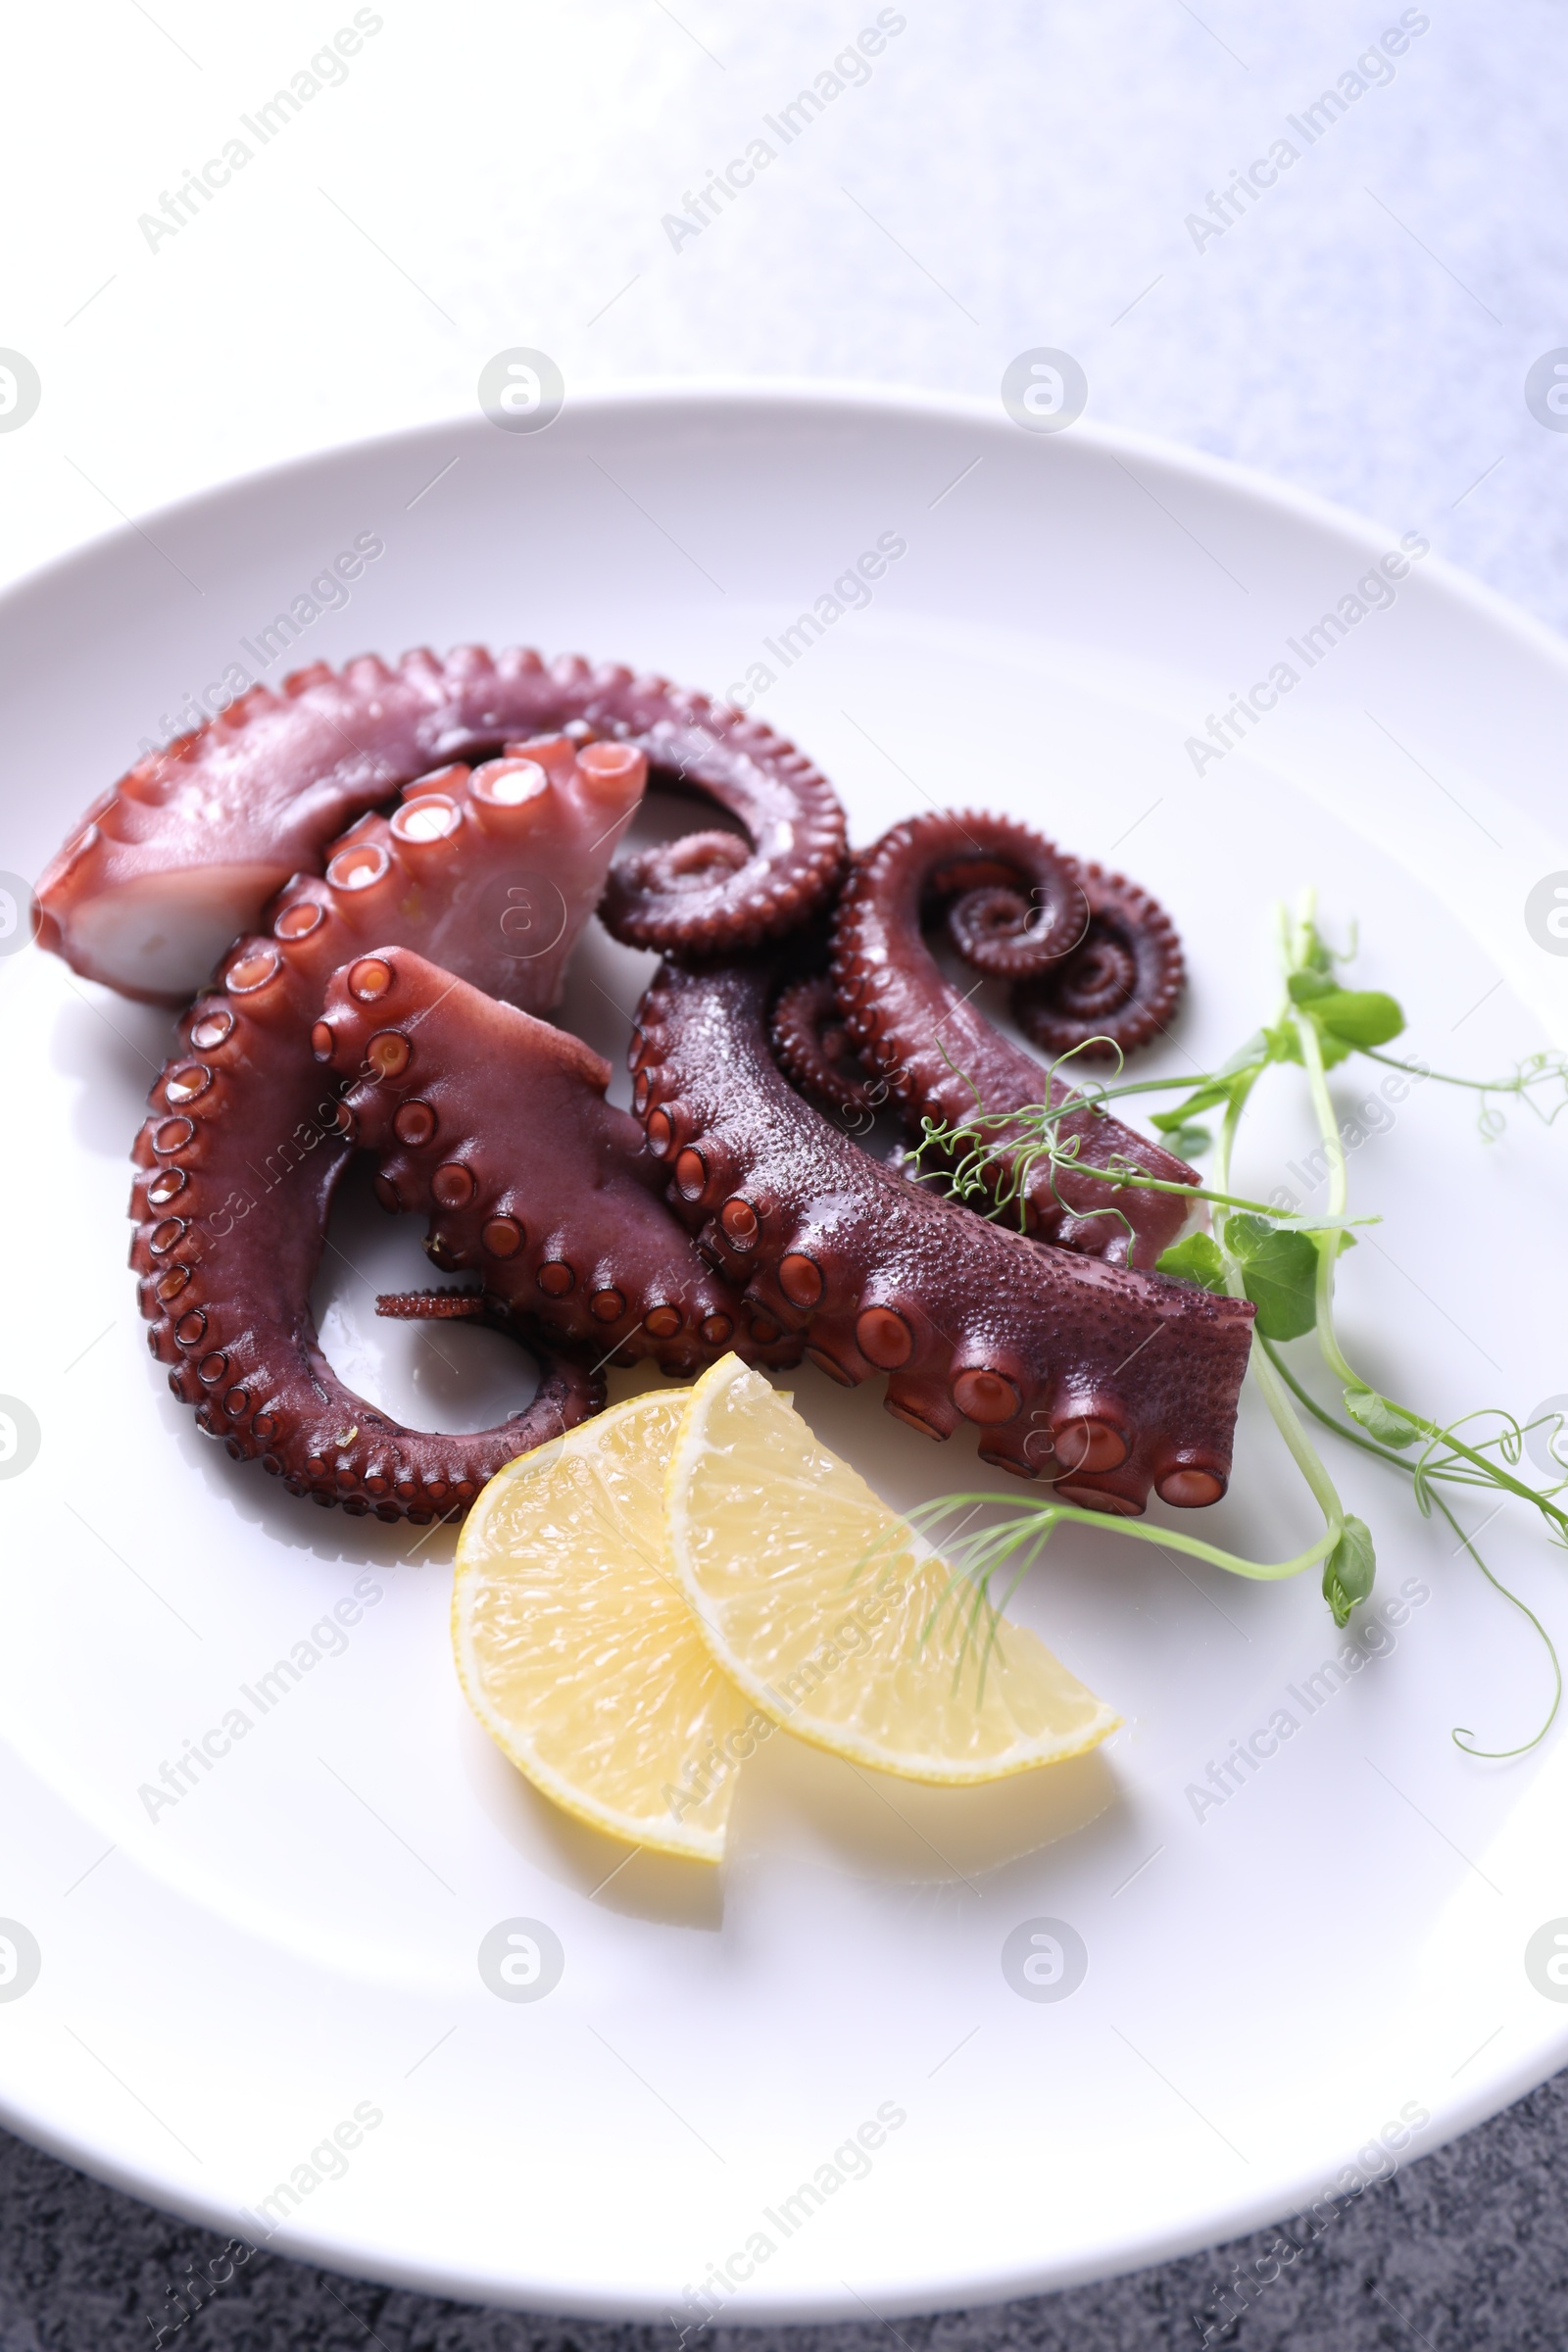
pixel 1279 1274
pixel 1349 1570
pixel 1318 957
pixel 1189 1142
pixel 1230 1085
pixel 1283 1042
pixel 1196 1259
pixel 1206 1097
pixel 1381 1419
pixel 1248 1059
pixel 1362 1016
pixel 1304 986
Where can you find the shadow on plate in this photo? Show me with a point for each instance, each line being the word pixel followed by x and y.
pixel 659 1886
pixel 798 1803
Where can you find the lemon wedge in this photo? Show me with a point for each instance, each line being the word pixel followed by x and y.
pixel 575 1644
pixel 827 1612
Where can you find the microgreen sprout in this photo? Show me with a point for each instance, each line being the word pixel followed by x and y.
pixel 1283 1262
pixel 1540 1081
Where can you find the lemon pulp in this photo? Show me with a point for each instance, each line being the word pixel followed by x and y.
pixel 574 1643
pixel 822 1607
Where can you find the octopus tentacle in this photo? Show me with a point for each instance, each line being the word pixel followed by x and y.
pixel 685 868
pixel 1106 1381
pixel 248 1138
pixel 704 894
pixel 813 1045
pixel 495 1127
pixel 185 851
pixel 251 1363
pixel 943 1060
pixel 1119 988
pixel 434 1307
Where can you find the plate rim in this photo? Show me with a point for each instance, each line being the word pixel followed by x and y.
pixel 351 2258
pixel 859 396
pixel 721 396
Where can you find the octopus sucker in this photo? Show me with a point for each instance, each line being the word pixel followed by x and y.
pixel 258 1132
pixel 185 851
pixel 392 862
pixel 1109 1381
pixel 1004 895
pixel 519 1108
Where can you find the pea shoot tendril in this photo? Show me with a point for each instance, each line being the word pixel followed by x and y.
pixel 1284 1262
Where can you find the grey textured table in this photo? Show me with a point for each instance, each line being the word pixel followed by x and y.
pixel 1361 326
pixel 1467 2248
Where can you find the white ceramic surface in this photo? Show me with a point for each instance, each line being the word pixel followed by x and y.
pixel 1269 1987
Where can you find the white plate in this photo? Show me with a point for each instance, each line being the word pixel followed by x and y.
pixel 1337 1946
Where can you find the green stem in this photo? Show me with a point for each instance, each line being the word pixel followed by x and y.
pixel 1039 1521
pixel 1334 1354
pixel 1477 1086
pixel 1341 1428
pixel 1494 1475
pixel 1044 1517
pixel 1127 1086
pixel 1303 1453
pixel 1460 1463
pixel 1189 1192
pixel 1461 1737
pixel 1339 1186
pixel 1551 1072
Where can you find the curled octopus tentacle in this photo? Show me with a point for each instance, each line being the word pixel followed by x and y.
pixel 1119 989
pixel 1005 895
pixel 225 1286
pixel 185 851
pixel 815 1051
pixel 1107 1382
pixel 495 870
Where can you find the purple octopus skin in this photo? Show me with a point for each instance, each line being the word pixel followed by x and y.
pixel 248 1138
pixel 1106 1381
pixel 495 1127
pixel 1117 990
pixel 813 1049
pixel 185 851
pixel 935 1051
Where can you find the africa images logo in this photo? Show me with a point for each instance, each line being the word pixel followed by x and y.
pixel 1546 913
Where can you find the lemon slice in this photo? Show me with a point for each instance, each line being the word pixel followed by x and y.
pixel 829 1614
pixel 575 1644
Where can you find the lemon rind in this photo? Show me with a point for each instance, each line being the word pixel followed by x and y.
pixel 851 1746
pixel 628 1828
